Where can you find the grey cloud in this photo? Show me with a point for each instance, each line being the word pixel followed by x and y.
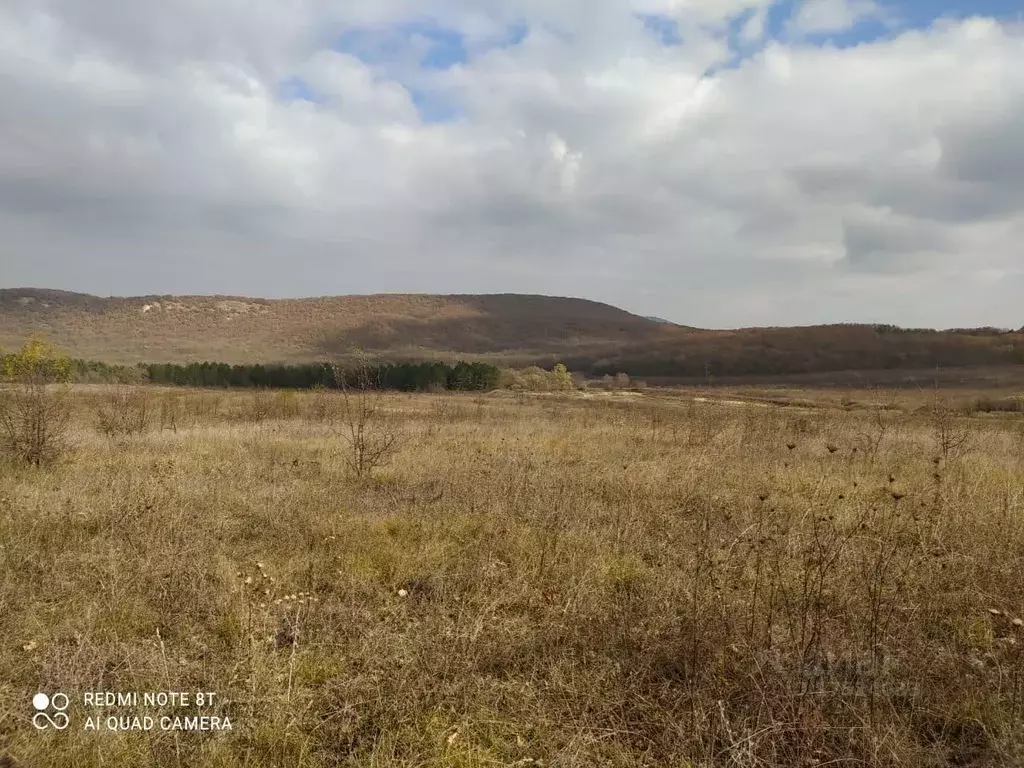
pixel 987 149
pixel 879 242
pixel 914 192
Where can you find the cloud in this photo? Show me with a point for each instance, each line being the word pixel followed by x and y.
pixel 824 16
pixel 753 29
pixel 876 240
pixel 703 168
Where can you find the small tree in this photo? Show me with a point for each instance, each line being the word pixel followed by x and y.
pixel 34 407
pixel 371 440
pixel 563 378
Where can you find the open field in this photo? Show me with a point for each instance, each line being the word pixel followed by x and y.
pixel 631 580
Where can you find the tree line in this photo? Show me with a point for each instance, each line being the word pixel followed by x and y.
pixel 775 351
pixel 407 377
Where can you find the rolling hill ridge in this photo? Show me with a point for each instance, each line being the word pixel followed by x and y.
pixel 243 330
pixel 511 329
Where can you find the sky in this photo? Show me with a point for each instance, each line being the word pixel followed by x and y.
pixel 718 163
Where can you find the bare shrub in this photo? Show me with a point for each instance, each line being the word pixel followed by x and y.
pixel 260 406
pixel 323 405
pixel 34 406
pixel 202 406
pixel 170 411
pixel 285 405
pixel 371 439
pixel 989 404
pixel 950 432
pixel 124 410
pixel 883 424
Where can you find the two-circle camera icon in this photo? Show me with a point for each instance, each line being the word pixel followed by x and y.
pixel 44 705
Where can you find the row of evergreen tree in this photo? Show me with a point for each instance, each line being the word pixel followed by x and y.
pixel 408 377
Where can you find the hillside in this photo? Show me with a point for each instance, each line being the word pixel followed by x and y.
pixel 514 329
pixel 238 330
pixel 814 349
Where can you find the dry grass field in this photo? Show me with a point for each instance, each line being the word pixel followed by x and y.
pixel 642 580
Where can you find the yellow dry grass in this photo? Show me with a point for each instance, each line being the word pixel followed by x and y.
pixel 610 581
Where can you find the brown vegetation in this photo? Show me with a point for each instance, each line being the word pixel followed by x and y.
pixel 591 338
pixel 240 330
pixel 588 579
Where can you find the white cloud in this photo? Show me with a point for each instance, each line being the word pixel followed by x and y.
pixel 753 29
pixel 151 148
pixel 824 16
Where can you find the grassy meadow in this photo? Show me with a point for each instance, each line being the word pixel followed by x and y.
pixel 590 579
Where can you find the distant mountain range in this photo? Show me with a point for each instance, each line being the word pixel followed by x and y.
pixel 509 329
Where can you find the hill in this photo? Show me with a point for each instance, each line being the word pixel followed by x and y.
pixel 240 330
pixel 513 329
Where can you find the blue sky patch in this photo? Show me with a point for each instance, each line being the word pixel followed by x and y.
pixel 921 13
pixel 446 47
pixel 433 107
pixel 905 14
pixel 864 31
pixel 516 34
pixel 779 13
pixel 662 27
pixel 297 89
pixel 383 45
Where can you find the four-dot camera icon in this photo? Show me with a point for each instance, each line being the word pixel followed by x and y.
pixel 50 711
